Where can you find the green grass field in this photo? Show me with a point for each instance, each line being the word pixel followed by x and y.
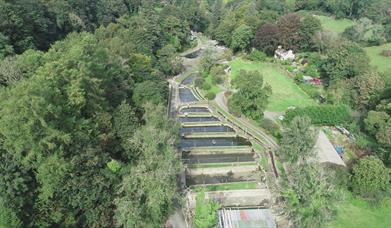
pixel 285 92
pixel 334 25
pixel 213 88
pixel 381 62
pixel 358 213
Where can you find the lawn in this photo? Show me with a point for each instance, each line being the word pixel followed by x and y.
pixel 355 212
pixel 213 87
pixel 334 25
pixel 381 62
pixel 285 92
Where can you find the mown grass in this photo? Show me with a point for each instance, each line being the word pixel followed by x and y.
pixel 227 186
pixel 213 87
pixel 285 92
pixel 356 212
pixel 335 25
pixel 377 59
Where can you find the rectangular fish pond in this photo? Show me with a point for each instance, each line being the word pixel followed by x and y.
pixel 212 142
pixel 185 95
pixel 206 129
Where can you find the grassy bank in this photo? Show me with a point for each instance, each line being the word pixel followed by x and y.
pixel 335 25
pixel 377 59
pixel 285 92
pixel 356 212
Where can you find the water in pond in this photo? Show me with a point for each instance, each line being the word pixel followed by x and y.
pixel 218 179
pixel 217 158
pixel 206 129
pixel 194 54
pixel 195 109
pixel 189 80
pixel 197 119
pixel 185 95
pixel 202 142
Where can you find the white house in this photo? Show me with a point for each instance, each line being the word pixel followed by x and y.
pixel 282 54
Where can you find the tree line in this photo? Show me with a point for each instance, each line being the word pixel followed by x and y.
pixel 84 137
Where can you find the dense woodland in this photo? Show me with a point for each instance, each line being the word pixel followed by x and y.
pixel 84 141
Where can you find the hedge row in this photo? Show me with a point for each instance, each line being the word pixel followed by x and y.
pixel 322 115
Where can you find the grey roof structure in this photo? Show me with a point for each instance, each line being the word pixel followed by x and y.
pixel 246 218
pixel 326 151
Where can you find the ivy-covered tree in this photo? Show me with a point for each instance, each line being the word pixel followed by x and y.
pixel 298 140
pixel 252 95
pixel 241 38
pixel 345 60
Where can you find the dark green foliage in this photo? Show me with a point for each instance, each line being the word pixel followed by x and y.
pixel 365 32
pixel 309 25
pixel 241 38
pixel 322 115
pixel 345 60
pixel 310 196
pixel 155 92
pixel 16 188
pixel 8 218
pixel 298 141
pixel 370 177
pixel 199 82
pixel 252 96
pixel 70 123
pixel 148 188
pixel 256 55
pixel 5 47
pixel 210 96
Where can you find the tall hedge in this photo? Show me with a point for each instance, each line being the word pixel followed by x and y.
pixel 322 115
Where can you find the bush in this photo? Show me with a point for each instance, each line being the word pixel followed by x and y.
pixel 311 70
pixel 322 115
pixel 311 90
pixel 199 82
pixel 271 127
pixel 369 177
pixel 206 86
pixel 228 54
pixel 210 96
pixel 256 55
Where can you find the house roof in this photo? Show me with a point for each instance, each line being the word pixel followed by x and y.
pixel 326 151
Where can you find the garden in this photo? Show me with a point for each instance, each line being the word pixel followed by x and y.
pixel 285 93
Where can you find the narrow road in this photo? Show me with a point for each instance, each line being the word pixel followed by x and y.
pixel 222 103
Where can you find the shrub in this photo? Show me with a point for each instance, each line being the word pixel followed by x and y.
pixel 370 177
pixel 311 70
pixel 256 55
pixel 206 86
pixel 228 54
pixel 270 126
pixel 199 82
pixel 311 90
pixel 322 115
pixel 210 96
